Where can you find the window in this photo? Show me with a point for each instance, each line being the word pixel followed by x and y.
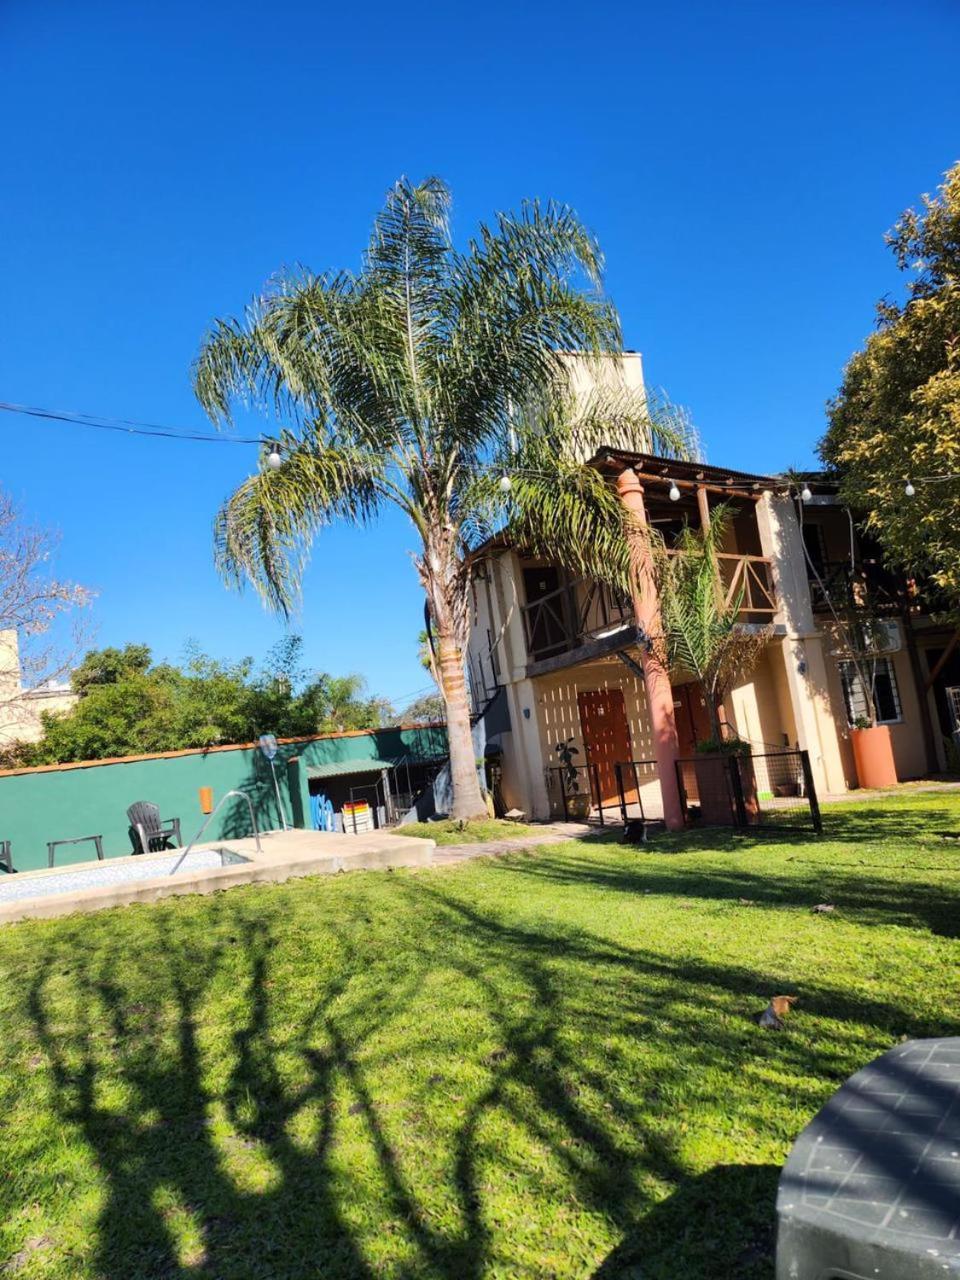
pixel 886 695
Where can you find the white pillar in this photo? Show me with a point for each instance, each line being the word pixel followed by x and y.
pixel 523 763
pixel 802 647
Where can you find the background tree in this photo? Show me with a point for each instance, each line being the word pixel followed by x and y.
pixel 130 705
pixel 33 604
pixel 427 709
pixel 702 635
pixel 418 382
pixel 897 415
pixel 108 666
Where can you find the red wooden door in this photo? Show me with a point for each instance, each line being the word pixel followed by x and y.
pixel 606 738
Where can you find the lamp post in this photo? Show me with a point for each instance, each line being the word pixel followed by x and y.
pixel 268 745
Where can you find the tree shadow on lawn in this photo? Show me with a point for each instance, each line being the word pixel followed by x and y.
pixel 851 886
pixel 208 1041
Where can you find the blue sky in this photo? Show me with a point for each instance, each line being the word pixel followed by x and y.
pixel 740 163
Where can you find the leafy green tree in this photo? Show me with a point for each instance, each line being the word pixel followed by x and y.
pixel 428 709
pixel 108 666
pixel 337 703
pixel 132 706
pixel 897 415
pixel 419 382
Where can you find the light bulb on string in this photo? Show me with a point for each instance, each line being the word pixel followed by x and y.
pixel 506 484
pixel 805 494
pixel 909 490
pixel 274 459
pixel 674 492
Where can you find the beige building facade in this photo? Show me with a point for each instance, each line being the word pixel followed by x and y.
pixel 20 708
pixel 565 652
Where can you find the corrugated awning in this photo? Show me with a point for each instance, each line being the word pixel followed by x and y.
pixel 344 768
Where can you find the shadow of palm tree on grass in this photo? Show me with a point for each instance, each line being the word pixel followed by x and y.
pixel 394 1077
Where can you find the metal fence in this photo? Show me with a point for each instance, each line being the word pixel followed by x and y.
pixel 638 790
pixel 771 790
pixel 578 792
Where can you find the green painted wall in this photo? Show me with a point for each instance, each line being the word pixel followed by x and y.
pixel 37 807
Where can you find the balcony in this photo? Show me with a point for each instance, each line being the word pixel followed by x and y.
pixel 753 577
pixel 584 619
pixel 575 614
pixel 865 586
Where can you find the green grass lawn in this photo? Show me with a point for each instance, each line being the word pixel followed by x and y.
pixel 448 831
pixel 542 1065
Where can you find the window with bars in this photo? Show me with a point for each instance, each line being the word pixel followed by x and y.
pixel 886 695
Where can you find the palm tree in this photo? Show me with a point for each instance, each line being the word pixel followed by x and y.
pixel 433 379
pixel 702 635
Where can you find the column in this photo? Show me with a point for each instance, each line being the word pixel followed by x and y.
pixel 646 605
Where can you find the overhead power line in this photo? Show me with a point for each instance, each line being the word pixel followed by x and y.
pixel 127 426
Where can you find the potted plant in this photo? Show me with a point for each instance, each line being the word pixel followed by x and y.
pixel 577 801
pixel 714 761
pixel 860 637
pixel 704 639
pixel 872 750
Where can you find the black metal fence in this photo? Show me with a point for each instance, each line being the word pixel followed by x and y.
pixel 771 791
pixel 580 792
pixel 638 790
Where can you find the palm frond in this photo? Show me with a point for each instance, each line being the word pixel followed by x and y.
pixel 405 381
pixel 702 634
pixel 263 531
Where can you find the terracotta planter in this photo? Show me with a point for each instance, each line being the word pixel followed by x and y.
pixel 873 756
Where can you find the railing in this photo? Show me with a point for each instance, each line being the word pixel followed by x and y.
pixel 483 677
pixel 584 609
pixel 864 585
pixel 242 795
pixel 576 612
pixel 753 576
pixel 579 789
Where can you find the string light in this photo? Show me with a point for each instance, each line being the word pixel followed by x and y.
pixel 909 490
pixel 674 492
pixel 506 484
pixel 273 459
pixel 805 494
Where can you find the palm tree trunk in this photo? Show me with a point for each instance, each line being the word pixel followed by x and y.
pixel 467 800
pixel 713 715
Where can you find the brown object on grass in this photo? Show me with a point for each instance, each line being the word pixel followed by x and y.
pixel 775 1012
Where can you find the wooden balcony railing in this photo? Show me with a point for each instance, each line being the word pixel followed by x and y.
pixel 753 576
pixel 585 610
pixel 570 616
pixel 864 585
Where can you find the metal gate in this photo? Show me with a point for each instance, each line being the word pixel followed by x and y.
pixel 770 791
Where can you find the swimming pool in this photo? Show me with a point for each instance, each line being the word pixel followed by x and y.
pixel 17 888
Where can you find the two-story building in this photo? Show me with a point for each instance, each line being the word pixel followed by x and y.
pixel 566 652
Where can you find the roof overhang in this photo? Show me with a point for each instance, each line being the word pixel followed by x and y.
pixel 652 469
pixel 348 768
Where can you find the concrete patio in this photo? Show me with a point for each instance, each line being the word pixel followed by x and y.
pixel 283 855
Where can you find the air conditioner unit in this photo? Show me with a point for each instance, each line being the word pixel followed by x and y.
pixel 879 637
pixel 887 637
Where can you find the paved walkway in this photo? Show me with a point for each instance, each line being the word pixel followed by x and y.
pixel 549 833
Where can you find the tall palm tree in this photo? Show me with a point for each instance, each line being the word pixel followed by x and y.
pixel 433 379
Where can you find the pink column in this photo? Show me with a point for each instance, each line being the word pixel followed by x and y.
pixel 656 679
